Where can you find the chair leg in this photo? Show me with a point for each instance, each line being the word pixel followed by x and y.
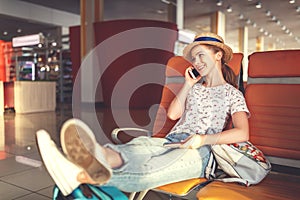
pixel 142 195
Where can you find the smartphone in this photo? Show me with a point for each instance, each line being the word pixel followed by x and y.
pixel 194 73
pixel 173 145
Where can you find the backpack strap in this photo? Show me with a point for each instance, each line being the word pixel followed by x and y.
pixel 235 180
pixel 211 167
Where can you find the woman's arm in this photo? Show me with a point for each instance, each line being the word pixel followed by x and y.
pixel 239 133
pixel 176 107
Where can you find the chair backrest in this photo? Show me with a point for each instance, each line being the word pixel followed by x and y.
pixel 174 80
pixel 273 98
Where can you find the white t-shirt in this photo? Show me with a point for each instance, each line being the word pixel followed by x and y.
pixel 209 108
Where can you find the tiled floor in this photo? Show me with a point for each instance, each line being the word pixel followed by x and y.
pixel 22 174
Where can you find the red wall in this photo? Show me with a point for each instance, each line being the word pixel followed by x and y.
pixel 106 29
pixel 146 96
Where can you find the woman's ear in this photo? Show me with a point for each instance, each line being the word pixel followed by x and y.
pixel 219 55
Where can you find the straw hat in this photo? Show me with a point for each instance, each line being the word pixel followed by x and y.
pixel 211 39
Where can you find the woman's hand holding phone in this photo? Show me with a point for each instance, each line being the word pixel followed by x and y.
pixel 192 142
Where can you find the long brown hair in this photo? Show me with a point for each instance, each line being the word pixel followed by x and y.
pixel 227 72
pixel 229 75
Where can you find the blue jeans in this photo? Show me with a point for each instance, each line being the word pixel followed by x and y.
pixel 148 164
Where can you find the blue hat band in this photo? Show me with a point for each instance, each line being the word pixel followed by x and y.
pixel 211 39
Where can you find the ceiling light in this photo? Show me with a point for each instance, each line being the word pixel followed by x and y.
pixel 292 1
pixel 219 3
pixel 283 28
pixel 298 9
pixel 248 21
pixel 258 5
pixel 5 33
pixel 261 30
pixel 278 22
pixel 241 16
pixel 229 9
pixel 19 30
pixel 268 13
pixel 254 24
pixel 165 1
pixel 168 2
pixel 273 18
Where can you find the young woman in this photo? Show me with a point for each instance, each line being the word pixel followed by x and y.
pixel 203 110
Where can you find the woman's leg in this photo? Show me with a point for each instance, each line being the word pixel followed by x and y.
pixel 148 164
pixel 113 158
pixel 141 164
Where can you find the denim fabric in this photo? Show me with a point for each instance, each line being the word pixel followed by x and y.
pixel 148 164
pixel 176 137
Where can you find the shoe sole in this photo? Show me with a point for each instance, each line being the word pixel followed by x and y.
pixel 73 132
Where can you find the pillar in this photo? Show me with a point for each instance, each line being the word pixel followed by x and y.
pixel 243 47
pixel 172 12
pixel 90 12
pixel 180 14
pixel 218 23
pixel 176 12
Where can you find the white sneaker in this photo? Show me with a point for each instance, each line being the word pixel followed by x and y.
pixel 80 146
pixel 63 172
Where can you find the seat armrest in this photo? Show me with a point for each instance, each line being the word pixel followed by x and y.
pixel 116 131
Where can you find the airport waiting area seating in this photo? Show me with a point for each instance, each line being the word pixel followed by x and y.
pixel 273 97
pixel 174 72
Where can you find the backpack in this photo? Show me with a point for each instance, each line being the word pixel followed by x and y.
pixel 242 162
pixel 90 192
